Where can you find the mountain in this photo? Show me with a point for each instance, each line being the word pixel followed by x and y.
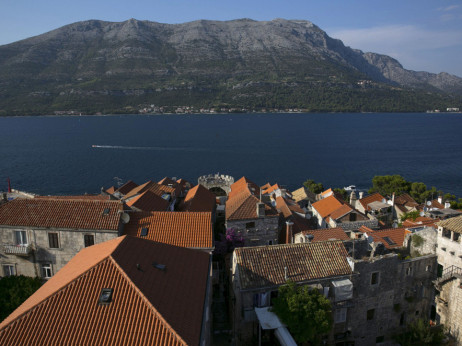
pixel 97 66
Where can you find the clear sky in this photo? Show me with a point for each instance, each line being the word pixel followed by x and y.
pixel 424 35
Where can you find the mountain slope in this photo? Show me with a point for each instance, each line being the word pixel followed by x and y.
pixel 102 66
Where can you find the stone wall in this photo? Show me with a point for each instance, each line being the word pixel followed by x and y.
pixel 423 242
pixel 265 232
pixel 355 225
pixel 69 241
pixel 449 307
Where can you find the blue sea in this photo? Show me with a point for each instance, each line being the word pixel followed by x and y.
pixel 56 155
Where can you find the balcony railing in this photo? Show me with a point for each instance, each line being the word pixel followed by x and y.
pixel 20 250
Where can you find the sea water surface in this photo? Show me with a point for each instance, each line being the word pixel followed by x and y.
pixel 74 155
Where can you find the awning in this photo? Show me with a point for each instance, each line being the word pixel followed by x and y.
pixel 269 320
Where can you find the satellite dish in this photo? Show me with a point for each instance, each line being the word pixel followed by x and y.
pixel 429 203
pixel 125 218
pixel 422 213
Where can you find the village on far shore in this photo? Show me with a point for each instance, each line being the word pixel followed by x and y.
pixel 177 263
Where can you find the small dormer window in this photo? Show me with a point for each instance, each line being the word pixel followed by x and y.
pixel 144 232
pixel 105 296
pixel 106 211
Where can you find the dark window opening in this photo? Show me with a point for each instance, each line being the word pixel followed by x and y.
pixel 250 225
pixel 446 233
pixel 380 339
pixel 455 236
pixel 106 211
pixel 159 266
pixel 53 240
pixel 144 232
pixel 402 319
pixel 89 240
pixel 352 216
pixel 389 241
pixel 370 314
pixel 105 296
pixel 375 278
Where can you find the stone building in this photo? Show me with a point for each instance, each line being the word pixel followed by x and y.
pixel 256 221
pixel 39 236
pixel 384 292
pixel 449 283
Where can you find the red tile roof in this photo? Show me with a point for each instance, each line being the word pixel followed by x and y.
pixel 342 211
pixel 324 234
pixel 149 306
pixel 148 201
pixel 289 212
pixel 436 204
pixel 154 187
pixel 420 221
pixel 376 197
pixel 327 206
pixel 244 184
pixel 405 200
pixel 263 266
pixel 244 206
pixel 185 229
pixel 111 190
pixel 396 236
pixel 327 193
pixel 270 189
pixel 62 213
pixel 127 187
pixel 199 199
pixel 81 197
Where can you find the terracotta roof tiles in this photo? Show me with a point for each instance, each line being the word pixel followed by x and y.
pixel 185 229
pixel 127 187
pixel 327 205
pixel 148 201
pixel 149 306
pixel 391 238
pixel 454 224
pixel 324 234
pixel 63 213
pixel 199 199
pixel 376 197
pixel 263 266
pixel 244 206
pixel 244 184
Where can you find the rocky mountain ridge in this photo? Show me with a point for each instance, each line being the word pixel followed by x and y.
pixel 205 59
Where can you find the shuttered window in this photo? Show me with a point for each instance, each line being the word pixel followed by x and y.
pixel 53 240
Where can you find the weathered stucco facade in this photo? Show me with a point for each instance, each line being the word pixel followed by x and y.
pixel 256 232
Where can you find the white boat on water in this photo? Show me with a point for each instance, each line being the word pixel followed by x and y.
pixel 350 188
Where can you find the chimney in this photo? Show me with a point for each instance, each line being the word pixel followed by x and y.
pixel 260 209
pixel 440 199
pixel 447 205
pixel 353 198
pixel 4 197
pixel 289 232
pixel 361 194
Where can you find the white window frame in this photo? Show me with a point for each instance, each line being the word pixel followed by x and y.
pixel 20 237
pixel 46 270
pixel 11 270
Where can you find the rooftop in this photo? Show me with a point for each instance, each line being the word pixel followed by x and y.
pixel 454 224
pixel 185 229
pixel 148 306
pixel 264 266
pixel 62 213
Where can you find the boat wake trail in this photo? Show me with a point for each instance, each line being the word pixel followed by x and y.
pixel 122 147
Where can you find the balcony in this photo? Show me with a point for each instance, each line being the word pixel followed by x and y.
pixel 19 250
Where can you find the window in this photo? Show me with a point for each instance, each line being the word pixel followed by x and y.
pixel 270 242
pixel 375 278
pixel 89 240
pixel 53 240
pixel 379 339
pixel 20 238
pixel 8 270
pixel 105 296
pixel 408 271
pixel 428 268
pixel 352 216
pixel 370 314
pixel 250 225
pixel 46 270
pixel 340 315
pixel 455 236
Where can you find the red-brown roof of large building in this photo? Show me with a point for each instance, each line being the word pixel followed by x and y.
pixel 78 197
pixel 199 199
pixel 291 212
pixel 243 206
pixel 327 206
pixel 155 188
pixel 62 213
pixel 406 201
pixel 148 201
pixel 149 306
pixel 185 229
pixel 168 182
pixel 264 266
pixel 376 197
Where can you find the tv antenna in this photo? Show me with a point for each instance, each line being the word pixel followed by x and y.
pixel 119 181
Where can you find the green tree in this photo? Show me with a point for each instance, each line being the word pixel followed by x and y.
pixel 341 192
pixel 387 184
pixel 410 215
pixel 14 290
pixel 306 312
pixel 314 187
pixel 420 333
